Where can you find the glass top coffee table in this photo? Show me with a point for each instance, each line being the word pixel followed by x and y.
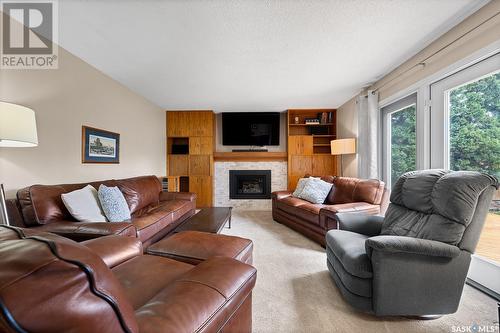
pixel 211 219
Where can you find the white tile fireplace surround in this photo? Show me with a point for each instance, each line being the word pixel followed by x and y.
pixel 221 183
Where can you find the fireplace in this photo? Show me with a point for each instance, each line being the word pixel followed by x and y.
pixel 250 184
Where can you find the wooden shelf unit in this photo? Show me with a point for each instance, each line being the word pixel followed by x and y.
pixel 309 145
pixel 190 150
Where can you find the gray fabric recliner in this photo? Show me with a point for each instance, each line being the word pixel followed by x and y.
pixel 414 261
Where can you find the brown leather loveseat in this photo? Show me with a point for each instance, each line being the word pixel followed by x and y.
pixel 50 283
pixel 347 195
pixel 154 213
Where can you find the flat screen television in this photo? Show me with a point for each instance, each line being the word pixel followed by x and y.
pixel 251 128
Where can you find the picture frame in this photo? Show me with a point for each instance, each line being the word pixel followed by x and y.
pixel 100 146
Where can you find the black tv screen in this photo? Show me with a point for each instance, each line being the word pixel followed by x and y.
pixel 251 129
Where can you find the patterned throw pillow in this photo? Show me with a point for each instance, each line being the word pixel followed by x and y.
pixel 113 204
pixel 316 191
pixel 300 186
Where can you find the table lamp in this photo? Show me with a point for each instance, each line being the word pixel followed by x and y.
pixel 17 129
pixel 343 147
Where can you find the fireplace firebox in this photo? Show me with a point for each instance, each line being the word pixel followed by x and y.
pixel 250 184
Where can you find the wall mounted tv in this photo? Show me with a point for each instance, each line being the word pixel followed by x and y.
pixel 251 128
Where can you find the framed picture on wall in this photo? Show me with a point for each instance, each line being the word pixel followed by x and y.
pixel 100 146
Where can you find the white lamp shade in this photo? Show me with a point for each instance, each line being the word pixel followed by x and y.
pixel 17 126
pixel 343 146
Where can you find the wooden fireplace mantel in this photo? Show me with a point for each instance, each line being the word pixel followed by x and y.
pixel 254 156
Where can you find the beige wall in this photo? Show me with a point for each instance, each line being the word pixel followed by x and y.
pixel 65 99
pixel 347 127
pixel 472 41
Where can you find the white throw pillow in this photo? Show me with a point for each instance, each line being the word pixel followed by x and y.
pixel 316 191
pixel 83 205
pixel 300 186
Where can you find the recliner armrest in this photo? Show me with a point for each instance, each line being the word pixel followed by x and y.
pixel 278 195
pixel 369 225
pixel 80 231
pixel 167 196
pixel 403 244
pixel 115 250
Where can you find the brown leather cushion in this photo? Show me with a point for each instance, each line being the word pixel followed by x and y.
pixel 202 300
pixel 145 276
pixel 151 220
pixel 346 190
pixel 41 204
pixel 140 192
pixel 194 247
pixel 52 284
pixel 300 208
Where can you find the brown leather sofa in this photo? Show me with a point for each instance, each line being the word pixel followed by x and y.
pixel 154 213
pixel 50 283
pixel 347 195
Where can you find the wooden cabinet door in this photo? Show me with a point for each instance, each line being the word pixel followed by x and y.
pixel 201 123
pixel 324 165
pixel 178 165
pixel 202 186
pixel 178 124
pixel 201 145
pixel 200 165
pixel 300 145
pixel 300 165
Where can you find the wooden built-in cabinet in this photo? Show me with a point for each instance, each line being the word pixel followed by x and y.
pixel 190 150
pixel 309 145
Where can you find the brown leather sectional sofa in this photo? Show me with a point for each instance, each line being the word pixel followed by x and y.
pixel 49 283
pixel 347 195
pixel 154 213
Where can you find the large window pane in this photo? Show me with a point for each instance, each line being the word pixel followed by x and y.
pixel 403 142
pixel 474 141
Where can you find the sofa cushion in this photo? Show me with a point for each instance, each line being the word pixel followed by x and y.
pixel 349 248
pixel 202 300
pixel 435 204
pixel 140 191
pixel 294 206
pixel 143 277
pixel 153 219
pixel 346 189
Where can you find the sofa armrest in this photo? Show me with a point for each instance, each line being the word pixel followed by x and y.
pixel 403 244
pixel 278 195
pixel 80 231
pixel 167 196
pixel 369 225
pixel 114 249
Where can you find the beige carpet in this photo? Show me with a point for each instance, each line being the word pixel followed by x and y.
pixel 294 292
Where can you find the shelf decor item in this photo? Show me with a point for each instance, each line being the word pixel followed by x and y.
pixel 343 147
pixel 17 129
pixel 296 120
pixel 100 146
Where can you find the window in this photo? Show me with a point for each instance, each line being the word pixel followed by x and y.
pixel 465 135
pixel 399 138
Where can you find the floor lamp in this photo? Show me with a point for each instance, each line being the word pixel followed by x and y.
pixel 17 129
pixel 343 147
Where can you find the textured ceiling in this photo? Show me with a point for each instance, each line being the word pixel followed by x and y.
pixel 252 55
